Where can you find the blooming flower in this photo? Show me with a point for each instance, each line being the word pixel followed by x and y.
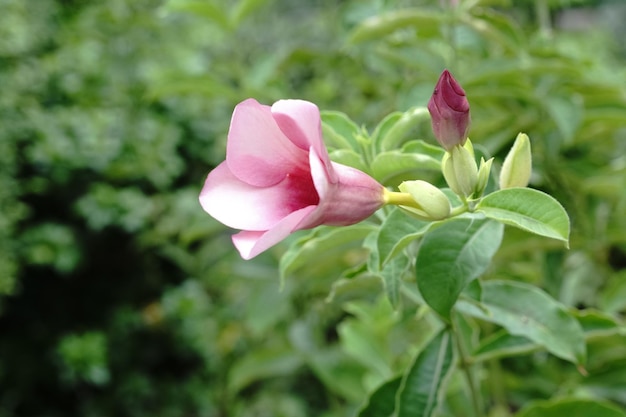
pixel 449 111
pixel 278 178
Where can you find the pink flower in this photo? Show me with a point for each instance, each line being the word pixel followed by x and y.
pixel 449 112
pixel 278 178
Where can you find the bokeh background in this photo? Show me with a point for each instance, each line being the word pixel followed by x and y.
pixel 120 297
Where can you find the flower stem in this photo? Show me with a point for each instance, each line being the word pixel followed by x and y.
pixel 458 210
pixel 400 199
pixel 467 371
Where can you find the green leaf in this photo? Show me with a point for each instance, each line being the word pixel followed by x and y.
pixel 435 152
pixel 414 156
pixel 474 290
pixel 571 407
pixel 608 380
pixel 350 158
pixel 338 373
pixel 245 8
pixel 376 27
pixel 525 310
pixel 496 27
pixel 451 256
pixel 567 113
pixel 395 128
pixel 396 232
pixel 204 9
pixel 391 275
pixel 596 323
pixel 363 343
pixel 363 287
pixel 613 296
pixel 331 364
pixel 529 210
pixel 502 344
pixel 381 402
pixel 423 383
pixel 385 126
pixel 339 131
pixel 324 243
pixel 262 363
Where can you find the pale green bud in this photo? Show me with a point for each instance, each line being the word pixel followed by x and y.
pixel 448 173
pixel 469 146
pixel 517 165
pixel 431 202
pixel 483 176
pixel 460 169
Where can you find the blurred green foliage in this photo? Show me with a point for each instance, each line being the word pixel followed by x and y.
pixel 121 297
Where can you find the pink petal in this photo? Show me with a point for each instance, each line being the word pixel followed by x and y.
pixel 243 206
pixel 319 173
pixel 250 244
pixel 258 152
pixel 300 121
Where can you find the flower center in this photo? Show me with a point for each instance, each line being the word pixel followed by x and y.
pixel 302 192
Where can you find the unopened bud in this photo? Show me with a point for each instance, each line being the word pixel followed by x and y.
pixel 517 165
pixel 460 170
pixel 483 176
pixel 449 112
pixel 431 202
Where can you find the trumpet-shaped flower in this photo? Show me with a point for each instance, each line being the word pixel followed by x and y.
pixel 278 178
pixel 449 111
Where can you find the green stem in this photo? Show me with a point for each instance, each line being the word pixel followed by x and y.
pixel 458 210
pixel 497 384
pixel 543 17
pixel 466 368
pixel 400 199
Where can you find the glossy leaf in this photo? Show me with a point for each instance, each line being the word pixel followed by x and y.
pixel 451 256
pixel 381 402
pixel 594 323
pixel 339 130
pixel 527 209
pixel 422 385
pixel 385 126
pixel 397 231
pixel 525 310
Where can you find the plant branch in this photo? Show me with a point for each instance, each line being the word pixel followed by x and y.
pixel 467 371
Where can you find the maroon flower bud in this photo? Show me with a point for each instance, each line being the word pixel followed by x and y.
pixel 449 112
